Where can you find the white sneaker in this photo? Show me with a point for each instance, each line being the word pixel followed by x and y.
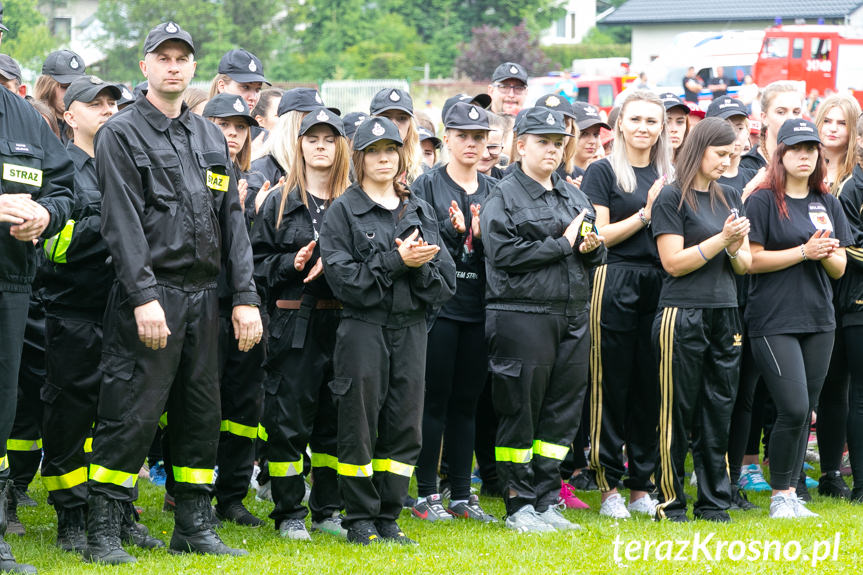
pixel 331 525
pixel 643 504
pixel 614 507
pixel 555 518
pixel 800 508
pixel 783 506
pixel 527 520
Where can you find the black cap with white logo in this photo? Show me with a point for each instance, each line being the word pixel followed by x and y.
pixel 228 106
pixel 391 99
pixel 322 115
pixel 65 66
pixel 9 68
pixel 352 120
pixel 481 100
pixel 671 100
pixel 374 130
pixel 797 131
pixel 302 100
pixel 242 66
pixel 542 121
pixel 555 102
pixel 587 116
pixel 86 88
pixel 164 32
pixel 463 116
pixel 509 70
pixel 725 107
pixel 427 136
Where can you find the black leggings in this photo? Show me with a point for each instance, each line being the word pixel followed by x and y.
pixel 793 367
pixel 853 335
pixel 741 417
pixel 833 408
pixel 455 375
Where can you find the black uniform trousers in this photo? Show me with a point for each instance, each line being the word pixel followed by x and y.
pixel 699 368
pixel 538 364
pixel 24 446
pixel 139 384
pixel 13 319
pixel 70 396
pixel 378 389
pixel 624 394
pixel 300 412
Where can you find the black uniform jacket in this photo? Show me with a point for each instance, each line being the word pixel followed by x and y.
pixel 33 162
pixel 170 204
pixel 530 266
pixel 365 270
pixel 849 292
pixel 77 275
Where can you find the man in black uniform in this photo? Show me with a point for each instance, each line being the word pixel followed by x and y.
pixel 35 200
pixel 171 210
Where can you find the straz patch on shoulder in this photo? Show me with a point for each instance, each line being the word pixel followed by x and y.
pixel 22 175
pixel 218 182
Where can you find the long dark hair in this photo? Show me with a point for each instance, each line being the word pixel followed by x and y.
pixel 707 133
pixel 776 176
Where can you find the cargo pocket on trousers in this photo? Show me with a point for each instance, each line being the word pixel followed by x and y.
pixel 49 393
pixel 340 386
pixel 117 371
pixel 506 388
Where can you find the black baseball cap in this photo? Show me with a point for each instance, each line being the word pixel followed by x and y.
pixel 391 99
pixel 352 120
pixel 374 130
pixel 425 135
pixel 671 100
pixel 126 96
pixel 542 121
pixel 301 100
pixel 228 106
pixel 64 66
pixel 797 131
pixel 509 70
pixel 9 68
pixel 140 89
pixel 322 115
pixel 86 88
pixel 587 116
pixel 2 27
pixel 463 116
pixel 164 32
pixel 482 100
pixel 242 66
pixel 725 107
pixel 555 102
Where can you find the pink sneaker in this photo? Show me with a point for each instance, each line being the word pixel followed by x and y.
pixel 568 498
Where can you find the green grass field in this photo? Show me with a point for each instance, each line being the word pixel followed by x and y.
pixel 461 547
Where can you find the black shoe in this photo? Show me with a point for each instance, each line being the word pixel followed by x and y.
pixel 104 519
pixel 363 533
pixel 132 532
pixel 857 495
pixel 739 501
pixel 831 484
pixel 584 481
pixel 193 530
pixel 802 490
pixel 391 531
pixel 715 515
pixel 237 513
pixel 72 528
pixel 22 498
pixel 674 517
pixel 13 524
pixel 7 560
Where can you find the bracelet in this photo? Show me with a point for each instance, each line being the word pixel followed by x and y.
pixel 803 251
pixel 643 218
pixel 702 253
pixel 734 257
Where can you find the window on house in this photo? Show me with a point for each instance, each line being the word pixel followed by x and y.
pixel 61 28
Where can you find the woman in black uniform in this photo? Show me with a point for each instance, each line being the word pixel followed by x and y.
pixel 798 234
pixel 299 409
pixel 701 238
pixel 381 257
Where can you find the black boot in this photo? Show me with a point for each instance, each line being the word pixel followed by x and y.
pixel 7 560
pixel 134 533
pixel 72 528
pixel 104 520
pixel 13 524
pixel 193 531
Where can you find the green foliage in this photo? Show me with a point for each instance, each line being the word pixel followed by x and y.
pixel 562 56
pixel 28 39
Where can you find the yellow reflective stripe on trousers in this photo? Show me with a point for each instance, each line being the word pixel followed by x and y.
pixel 192 475
pixel 56 246
pixel 65 481
pixel 23 444
pixel 88 445
pixel 4 463
pixel 163 421
pixel 286 468
pixel 351 470
pixel 325 460
pixel 512 455
pixel 239 429
pixel 262 433
pixel 105 475
pixel 393 466
pixel 550 450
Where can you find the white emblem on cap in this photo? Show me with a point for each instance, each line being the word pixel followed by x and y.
pixel 590 111
pixel 360 120
pixel 95 80
pixel 318 98
pixel 552 101
pixel 238 105
pixel 473 114
pixel 464 97
pixel 322 116
pixel 252 66
pixel 378 130
pixel 550 119
pixel 73 64
pixel 171 28
pixel 127 94
pixel 513 70
pixel 394 96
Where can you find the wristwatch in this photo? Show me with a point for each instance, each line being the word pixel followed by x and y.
pixel 643 218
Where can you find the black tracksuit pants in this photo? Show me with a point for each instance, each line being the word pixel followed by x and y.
pixel 139 384
pixel 13 319
pixel 300 412
pixel 699 368
pixel 624 394
pixel 538 365
pixel 70 396
pixel 378 389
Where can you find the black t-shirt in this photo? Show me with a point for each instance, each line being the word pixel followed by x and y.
pixel 798 299
pixel 601 187
pixel 753 160
pixel 739 181
pixel 712 285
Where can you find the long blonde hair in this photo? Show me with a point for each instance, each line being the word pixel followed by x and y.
pixel 850 111
pixel 214 85
pixel 283 139
pixel 413 152
pixel 571 146
pixel 337 183
pixel 660 154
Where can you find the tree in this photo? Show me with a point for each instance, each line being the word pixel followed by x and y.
pixel 490 46
pixel 28 39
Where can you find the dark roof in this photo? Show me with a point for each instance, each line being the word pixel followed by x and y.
pixel 662 11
